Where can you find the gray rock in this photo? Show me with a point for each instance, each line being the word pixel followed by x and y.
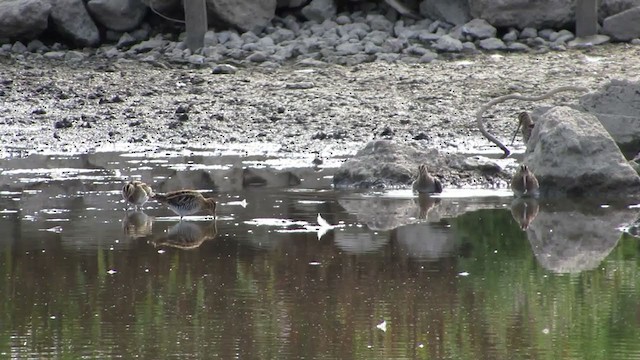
pixel 564 38
pixel 635 41
pixel 55 55
pixel 24 19
pixel 74 56
pixel 148 45
pixel 72 21
pixel 571 153
pixel 246 15
pixel 428 57
pixel 383 163
pixel 427 37
pixel 281 35
pixel 36 46
pixel 210 38
pixel 141 33
pixel 546 34
pixel 371 48
pixel 520 14
pixel 112 52
pixel 257 57
pixel 492 44
pixel 469 47
pixel 612 7
pixel 394 45
pixel 388 57
pixel 455 12
pixel 623 26
pixel 528 32
pixel 118 15
pixel 617 106
pixel 537 41
pixel 518 47
pixel 512 35
pixel 379 22
pixel 478 163
pixel 319 10
pixel 377 37
pixel 447 43
pixel 561 35
pixel 224 69
pixel 480 29
pixel 18 48
pixel 125 40
pixel 349 48
pixel 343 20
pixel 416 50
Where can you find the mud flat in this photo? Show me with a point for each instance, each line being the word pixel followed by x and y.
pixel 327 110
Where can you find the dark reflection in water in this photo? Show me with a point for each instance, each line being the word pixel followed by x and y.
pixel 451 278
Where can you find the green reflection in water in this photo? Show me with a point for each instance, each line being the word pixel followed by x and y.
pixel 226 299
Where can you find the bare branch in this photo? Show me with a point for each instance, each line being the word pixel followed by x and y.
pixel 516 96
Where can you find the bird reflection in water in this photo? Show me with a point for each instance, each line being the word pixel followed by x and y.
pixel 524 210
pixel 187 234
pixel 425 204
pixel 137 224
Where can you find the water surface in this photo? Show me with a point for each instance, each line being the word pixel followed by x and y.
pixel 393 276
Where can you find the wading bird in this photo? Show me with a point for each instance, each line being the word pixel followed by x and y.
pixel 187 202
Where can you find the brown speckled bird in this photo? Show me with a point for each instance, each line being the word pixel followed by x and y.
pixel 187 202
pixel 425 183
pixel 524 183
pixel 136 193
pixel 527 125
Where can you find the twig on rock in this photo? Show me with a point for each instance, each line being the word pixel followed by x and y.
pixel 516 96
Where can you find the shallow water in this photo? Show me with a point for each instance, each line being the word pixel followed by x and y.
pixel 389 275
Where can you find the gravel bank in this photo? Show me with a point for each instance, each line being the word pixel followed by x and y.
pixel 97 103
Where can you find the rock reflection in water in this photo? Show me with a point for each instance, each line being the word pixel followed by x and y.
pixel 524 210
pixel 570 237
pixel 425 241
pixel 137 224
pixel 187 235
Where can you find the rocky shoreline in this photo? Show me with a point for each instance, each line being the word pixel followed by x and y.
pixel 294 110
pixel 369 32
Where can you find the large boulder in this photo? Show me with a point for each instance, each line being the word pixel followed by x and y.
pixel 24 19
pixel 612 7
pixel 521 14
pixel 320 10
pixel 617 106
pixel 384 163
pixel 118 15
pixel 246 15
pixel 452 11
pixel 72 21
pixel 623 26
pixel 568 237
pixel 571 153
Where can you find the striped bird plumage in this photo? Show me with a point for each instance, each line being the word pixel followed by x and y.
pixel 136 193
pixel 187 202
pixel 425 183
pixel 524 182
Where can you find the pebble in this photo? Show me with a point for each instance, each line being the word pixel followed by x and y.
pixel 224 69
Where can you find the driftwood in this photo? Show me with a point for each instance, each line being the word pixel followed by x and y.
pixel 516 96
